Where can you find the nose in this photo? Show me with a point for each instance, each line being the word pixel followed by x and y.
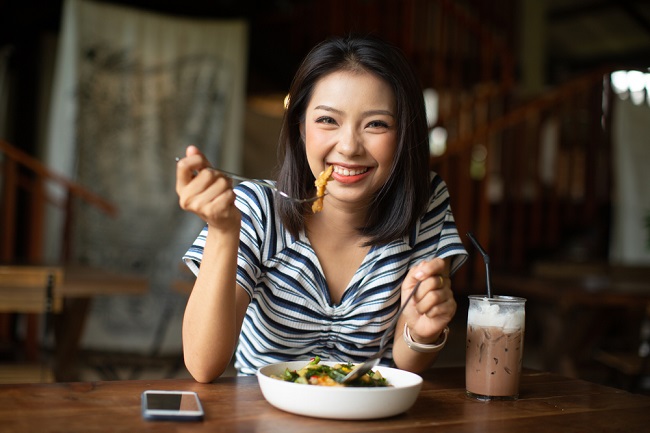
pixel 350 142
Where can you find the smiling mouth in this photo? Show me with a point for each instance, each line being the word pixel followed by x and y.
pixel 349 172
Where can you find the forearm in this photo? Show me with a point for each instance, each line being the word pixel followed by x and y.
pixel 210 323
pixel 428 314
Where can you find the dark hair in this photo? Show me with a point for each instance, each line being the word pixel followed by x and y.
pixel 405 196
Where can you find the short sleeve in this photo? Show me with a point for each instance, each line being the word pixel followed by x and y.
pixel 254 205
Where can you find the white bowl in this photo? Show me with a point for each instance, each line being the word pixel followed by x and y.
pixel 339 402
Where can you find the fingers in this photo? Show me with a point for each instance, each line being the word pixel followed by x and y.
pixel 433 306
pixel 434 296
pixel 188 167
pixel 205 188
pixel 427 268
pixel 192 150
pixel 434 302
pixel 430 273
pixel 201 190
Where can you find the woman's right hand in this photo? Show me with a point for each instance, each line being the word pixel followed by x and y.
pixel 216 307
pixel 206 192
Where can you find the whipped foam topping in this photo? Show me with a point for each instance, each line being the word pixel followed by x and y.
pixel 506 316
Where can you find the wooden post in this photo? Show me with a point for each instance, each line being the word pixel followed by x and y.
pixel 8 216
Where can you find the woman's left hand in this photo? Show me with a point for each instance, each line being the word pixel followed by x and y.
pixel 433 306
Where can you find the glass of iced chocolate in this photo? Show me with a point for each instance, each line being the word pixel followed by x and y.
pixel 495 346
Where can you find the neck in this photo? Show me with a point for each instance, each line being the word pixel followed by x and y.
pixel 336 222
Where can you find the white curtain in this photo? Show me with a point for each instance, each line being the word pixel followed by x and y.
pixel 630 236
pixel 131 90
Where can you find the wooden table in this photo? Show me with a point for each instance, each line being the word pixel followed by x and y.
pixel 548 403
pixel 66 292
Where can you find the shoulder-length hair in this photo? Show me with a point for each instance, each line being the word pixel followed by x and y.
pixel 396 207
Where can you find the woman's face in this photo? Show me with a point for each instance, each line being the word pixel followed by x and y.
pixel 350 123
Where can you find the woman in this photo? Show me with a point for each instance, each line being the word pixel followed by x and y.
pixel 278 282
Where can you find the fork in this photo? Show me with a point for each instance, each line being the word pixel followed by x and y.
pixel 264 184
pixel 361 369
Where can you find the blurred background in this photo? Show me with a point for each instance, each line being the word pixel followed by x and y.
pixel 539 116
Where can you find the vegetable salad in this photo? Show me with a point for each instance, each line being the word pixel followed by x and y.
pixel 315 373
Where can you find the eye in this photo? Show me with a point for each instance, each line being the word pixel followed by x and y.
pixel 377 124
pixel 326 120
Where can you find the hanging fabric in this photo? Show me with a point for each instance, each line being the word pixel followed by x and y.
pixel 132 89
pixel 630 234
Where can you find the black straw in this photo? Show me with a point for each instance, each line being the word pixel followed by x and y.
pixel 486 259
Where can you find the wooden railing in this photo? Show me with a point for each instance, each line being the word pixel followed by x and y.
pixel 23 201
pixel 23 179
pixel 525 176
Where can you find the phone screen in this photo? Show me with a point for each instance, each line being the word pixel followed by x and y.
pixel 171 405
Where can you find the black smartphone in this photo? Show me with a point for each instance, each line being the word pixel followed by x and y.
pixel 171 405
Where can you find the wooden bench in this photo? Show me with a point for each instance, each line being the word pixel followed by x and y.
pixel 34 292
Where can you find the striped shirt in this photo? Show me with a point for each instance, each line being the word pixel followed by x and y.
pixel 291 315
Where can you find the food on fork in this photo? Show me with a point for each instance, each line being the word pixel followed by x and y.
pixel 321 183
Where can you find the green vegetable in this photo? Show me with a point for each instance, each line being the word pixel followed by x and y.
pixel 290 376
pixel 337 372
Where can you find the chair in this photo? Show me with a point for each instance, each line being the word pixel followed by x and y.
pixel 29 291
pixel 629 368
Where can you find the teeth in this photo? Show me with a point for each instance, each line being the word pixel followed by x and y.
pixel 346 172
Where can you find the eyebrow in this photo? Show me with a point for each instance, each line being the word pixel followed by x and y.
pixel 365 113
